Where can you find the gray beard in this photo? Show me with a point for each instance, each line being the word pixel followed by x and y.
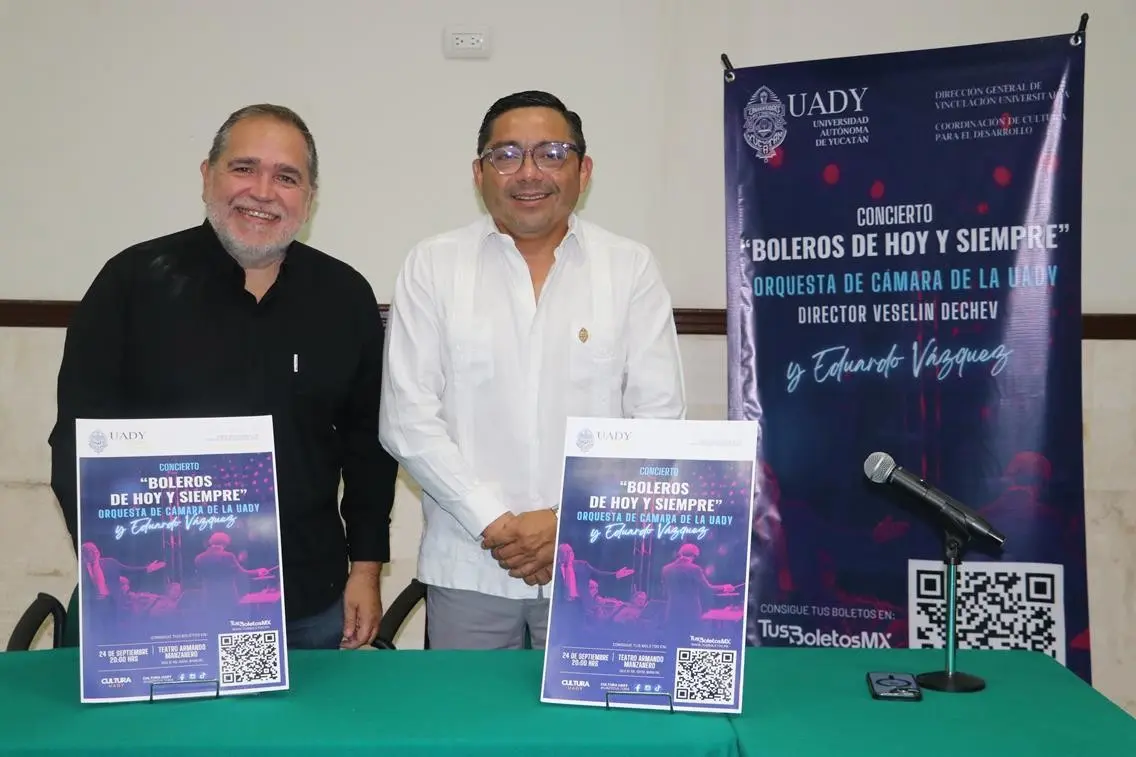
pixel 247 256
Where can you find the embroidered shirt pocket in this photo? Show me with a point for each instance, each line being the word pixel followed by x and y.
pixel 592 357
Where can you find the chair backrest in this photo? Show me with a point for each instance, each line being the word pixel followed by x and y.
pixel 71 625
pixel 400 610
pixel 397 613
pixel 27 627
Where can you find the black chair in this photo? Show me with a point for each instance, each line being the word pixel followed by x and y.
pixel 27 627
pixel 65 632
pixel 397 614
pixel 400 610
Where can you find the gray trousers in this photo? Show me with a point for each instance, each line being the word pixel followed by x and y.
pixel 458 619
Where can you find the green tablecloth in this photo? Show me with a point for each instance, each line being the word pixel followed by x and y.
pixel 810 702
pixel 800 702
pixel 394 704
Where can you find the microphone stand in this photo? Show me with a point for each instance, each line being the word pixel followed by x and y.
pixel 950 679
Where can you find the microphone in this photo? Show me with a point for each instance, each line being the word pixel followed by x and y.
pixel 880 468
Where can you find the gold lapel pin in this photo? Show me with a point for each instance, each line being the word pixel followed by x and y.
pixel 583 335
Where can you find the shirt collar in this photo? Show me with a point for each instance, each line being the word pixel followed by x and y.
pixel 488 230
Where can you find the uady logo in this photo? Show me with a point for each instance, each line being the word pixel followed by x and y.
pixel 614 436
pixel 97 441
pixel 764 126
pixel 766 117
pixel 586 439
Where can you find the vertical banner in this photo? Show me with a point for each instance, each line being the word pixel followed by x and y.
pixel 904 276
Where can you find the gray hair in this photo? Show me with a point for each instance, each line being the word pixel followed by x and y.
pixel 266 110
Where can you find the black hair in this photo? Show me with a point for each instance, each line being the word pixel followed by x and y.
pixel 530 99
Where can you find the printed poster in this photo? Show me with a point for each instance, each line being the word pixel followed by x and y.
pixel 180 583
pixel 650 584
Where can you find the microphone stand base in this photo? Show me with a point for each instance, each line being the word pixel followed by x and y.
pixel 954 683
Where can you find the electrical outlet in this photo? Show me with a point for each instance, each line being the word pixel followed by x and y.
pixel 465 42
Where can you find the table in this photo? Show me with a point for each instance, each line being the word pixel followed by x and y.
pixel 404 703
pixel 809 702
pixel 800 702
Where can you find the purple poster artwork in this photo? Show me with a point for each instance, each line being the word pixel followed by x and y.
pixel 649 597
pixel 179 574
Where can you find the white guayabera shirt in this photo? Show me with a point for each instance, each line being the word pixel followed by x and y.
pixel 480 377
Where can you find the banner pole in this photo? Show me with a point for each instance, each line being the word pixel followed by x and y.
pixel 1078 37
pixel 729 75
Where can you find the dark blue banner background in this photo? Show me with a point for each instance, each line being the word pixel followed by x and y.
pixel 904 246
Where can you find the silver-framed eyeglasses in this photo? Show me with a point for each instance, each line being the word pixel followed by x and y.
pixel 548 156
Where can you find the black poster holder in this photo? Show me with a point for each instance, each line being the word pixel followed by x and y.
pixel 610 694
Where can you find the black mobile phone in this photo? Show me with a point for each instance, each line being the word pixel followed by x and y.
pixel 900 687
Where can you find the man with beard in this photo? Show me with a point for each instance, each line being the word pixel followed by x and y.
pixel 498 332
pixel 235 317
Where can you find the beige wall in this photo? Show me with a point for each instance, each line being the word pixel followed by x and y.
pixel 38 557
pixel 110 158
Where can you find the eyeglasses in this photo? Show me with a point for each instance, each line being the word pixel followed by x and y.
pixel 548 156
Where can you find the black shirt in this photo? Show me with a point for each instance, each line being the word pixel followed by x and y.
pixel 167 330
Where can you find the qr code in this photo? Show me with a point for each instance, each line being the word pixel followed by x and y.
pixel 705 676
pixel 249 658
pixel 1001 605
